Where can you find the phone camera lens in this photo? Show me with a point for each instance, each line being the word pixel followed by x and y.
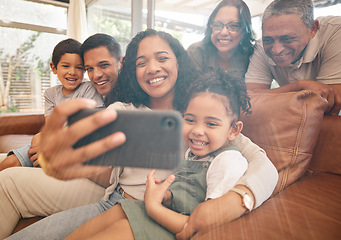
pixel 168 123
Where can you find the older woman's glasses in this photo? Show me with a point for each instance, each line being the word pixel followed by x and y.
pixel 231 26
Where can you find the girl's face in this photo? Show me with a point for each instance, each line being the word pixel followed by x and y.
pixel 207 125
pixel 156 68
pixel 226 40
pixel 70 72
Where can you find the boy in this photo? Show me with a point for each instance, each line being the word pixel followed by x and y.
pixel 68 65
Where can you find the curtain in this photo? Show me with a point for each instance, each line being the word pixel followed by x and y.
pixel 77 27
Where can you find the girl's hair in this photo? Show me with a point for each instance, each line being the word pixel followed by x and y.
pixel 127 88
pixel 229 84
pixel 246 45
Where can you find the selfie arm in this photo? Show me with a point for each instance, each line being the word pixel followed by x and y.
pixel 56 153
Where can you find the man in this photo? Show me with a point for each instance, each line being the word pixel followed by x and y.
pixel 298 52
pixel 102 55
pixel 28 192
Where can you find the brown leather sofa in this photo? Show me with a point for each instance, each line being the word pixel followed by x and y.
pixel 305 147
pixel 16 130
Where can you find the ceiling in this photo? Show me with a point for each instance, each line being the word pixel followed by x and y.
pixel 202 7
pixel 205 7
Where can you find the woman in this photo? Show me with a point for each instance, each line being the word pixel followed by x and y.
pixel 228 41
pixel 154 75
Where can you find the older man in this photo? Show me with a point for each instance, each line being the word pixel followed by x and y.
pixel 28 191
pixel 298 52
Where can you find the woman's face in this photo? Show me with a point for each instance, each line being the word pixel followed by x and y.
pixel 156 67
pixel 226 40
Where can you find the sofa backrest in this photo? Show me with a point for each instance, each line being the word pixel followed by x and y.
pixel 327 152
pixel 286 126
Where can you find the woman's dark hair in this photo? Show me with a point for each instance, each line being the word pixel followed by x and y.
pixel 127 88
pixel 246 44
pixel 229 84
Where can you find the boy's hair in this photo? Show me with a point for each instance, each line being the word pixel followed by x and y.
pixel 101 39
pixel 66 46
pixel 229 84
pixel 302 8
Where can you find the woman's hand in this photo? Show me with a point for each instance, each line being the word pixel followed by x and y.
pixel 155 192
pixel 57 156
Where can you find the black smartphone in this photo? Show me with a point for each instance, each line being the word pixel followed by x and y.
pixel 154 138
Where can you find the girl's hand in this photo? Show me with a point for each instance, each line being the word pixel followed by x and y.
pixel 155 192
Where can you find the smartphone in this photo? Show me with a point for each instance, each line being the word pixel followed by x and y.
pixel 153 138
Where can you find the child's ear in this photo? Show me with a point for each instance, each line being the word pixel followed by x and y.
pixel 235 129
pixel 53 68
pixel 121 61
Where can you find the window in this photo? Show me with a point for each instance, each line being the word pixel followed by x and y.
pixel 177 17
pixel 111 17
pixel 29 31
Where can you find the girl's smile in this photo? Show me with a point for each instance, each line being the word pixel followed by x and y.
pixel 207 126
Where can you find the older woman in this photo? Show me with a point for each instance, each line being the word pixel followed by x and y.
pixel 228 41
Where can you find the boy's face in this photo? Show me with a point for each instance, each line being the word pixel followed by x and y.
pixel 102 69
pixel 70 72
pixel 207 126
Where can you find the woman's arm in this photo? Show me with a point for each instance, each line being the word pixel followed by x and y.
pixel 57 156
pixel 258 182
pixel 212 213
pixel 261 176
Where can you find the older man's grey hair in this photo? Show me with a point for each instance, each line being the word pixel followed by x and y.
pixel 303 8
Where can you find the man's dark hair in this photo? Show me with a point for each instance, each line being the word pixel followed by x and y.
pixel 66 46
pixel 101 39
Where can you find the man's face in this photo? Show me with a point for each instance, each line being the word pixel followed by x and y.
pixel 102 69
pixel 285 38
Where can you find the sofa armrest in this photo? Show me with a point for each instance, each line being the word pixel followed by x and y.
pixel 327 151
pixel 17 129
pixel 28 124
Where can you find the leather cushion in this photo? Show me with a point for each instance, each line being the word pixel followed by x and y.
pixel 286 126
pixel 327 152
pixel 308 209
pixel 13 141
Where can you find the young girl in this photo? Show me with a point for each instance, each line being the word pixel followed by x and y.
pixel 212 167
